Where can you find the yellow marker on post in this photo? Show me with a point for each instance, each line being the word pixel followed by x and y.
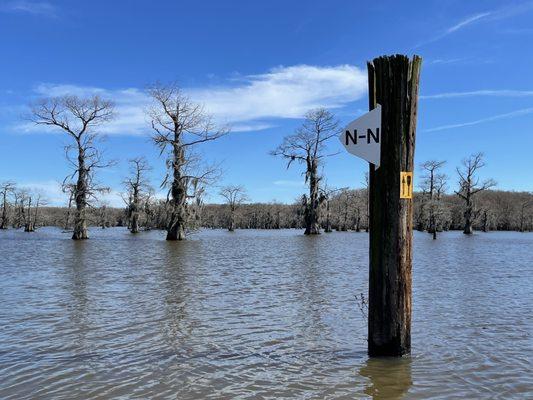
pixel 406 185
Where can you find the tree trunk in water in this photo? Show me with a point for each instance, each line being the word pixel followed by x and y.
pixel 135 222
pixel 135 211
pixel 433 224
pixel 311 221
pixel 393 83
pixel 468 220
pixel 485 221
pixel 231 225
pixel 178 217
pixel 4 212
pixel 28 224
pixel 80 222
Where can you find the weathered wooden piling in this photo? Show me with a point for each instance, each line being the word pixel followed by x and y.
pixel 393 82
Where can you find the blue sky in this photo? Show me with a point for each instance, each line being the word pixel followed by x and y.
pixel 260 66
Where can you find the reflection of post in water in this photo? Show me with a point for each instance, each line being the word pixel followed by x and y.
pixel 389 378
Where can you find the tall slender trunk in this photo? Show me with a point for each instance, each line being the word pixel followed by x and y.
pixel 468 230
pixel 80 221
pixel 485 221
pixel 311 221
pixel 178 217
pixel 433 222
pixel 135 211
pixel 28 225
pixel 3 225
pixel 231 225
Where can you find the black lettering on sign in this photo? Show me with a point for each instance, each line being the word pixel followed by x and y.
pixel 349 137
pixel 369 134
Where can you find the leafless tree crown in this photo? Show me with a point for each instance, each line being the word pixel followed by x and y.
pixel 309 141
pixel 469 182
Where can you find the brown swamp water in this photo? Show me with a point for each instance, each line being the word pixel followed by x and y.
pixel 256 315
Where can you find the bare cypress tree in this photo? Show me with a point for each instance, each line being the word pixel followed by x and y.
pixel 234 196
pixel 307 146
pixel 470 186
pixel 138 188
pixel 6 190
pixel 78 117
pixel 327 194
pixel 429 188
pixel 179 126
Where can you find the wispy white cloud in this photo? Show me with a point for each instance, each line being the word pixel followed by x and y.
pixel 249 103
pixel 40 8
pixel 253 126
pixel 475 93
pixel 512 114
pixel 465 22
pixel 284 92
pixel 487 16
pixel 441 61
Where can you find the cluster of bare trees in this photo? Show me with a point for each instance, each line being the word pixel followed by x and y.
pixel 494 210
pixel 179 126
pixel 20 207
pixel 434 210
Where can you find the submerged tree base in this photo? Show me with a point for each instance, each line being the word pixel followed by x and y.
pixel 175 234
pixel 312 230
pixel 80 234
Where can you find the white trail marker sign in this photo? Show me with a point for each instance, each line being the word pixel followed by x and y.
pixel 362 137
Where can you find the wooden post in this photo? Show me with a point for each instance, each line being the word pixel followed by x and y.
pixel 393 83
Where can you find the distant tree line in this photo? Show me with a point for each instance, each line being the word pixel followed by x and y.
pixel 494 210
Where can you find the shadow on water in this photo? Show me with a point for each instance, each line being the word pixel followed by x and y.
pixel 388 378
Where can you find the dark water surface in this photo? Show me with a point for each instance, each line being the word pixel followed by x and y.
pixel 256 314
